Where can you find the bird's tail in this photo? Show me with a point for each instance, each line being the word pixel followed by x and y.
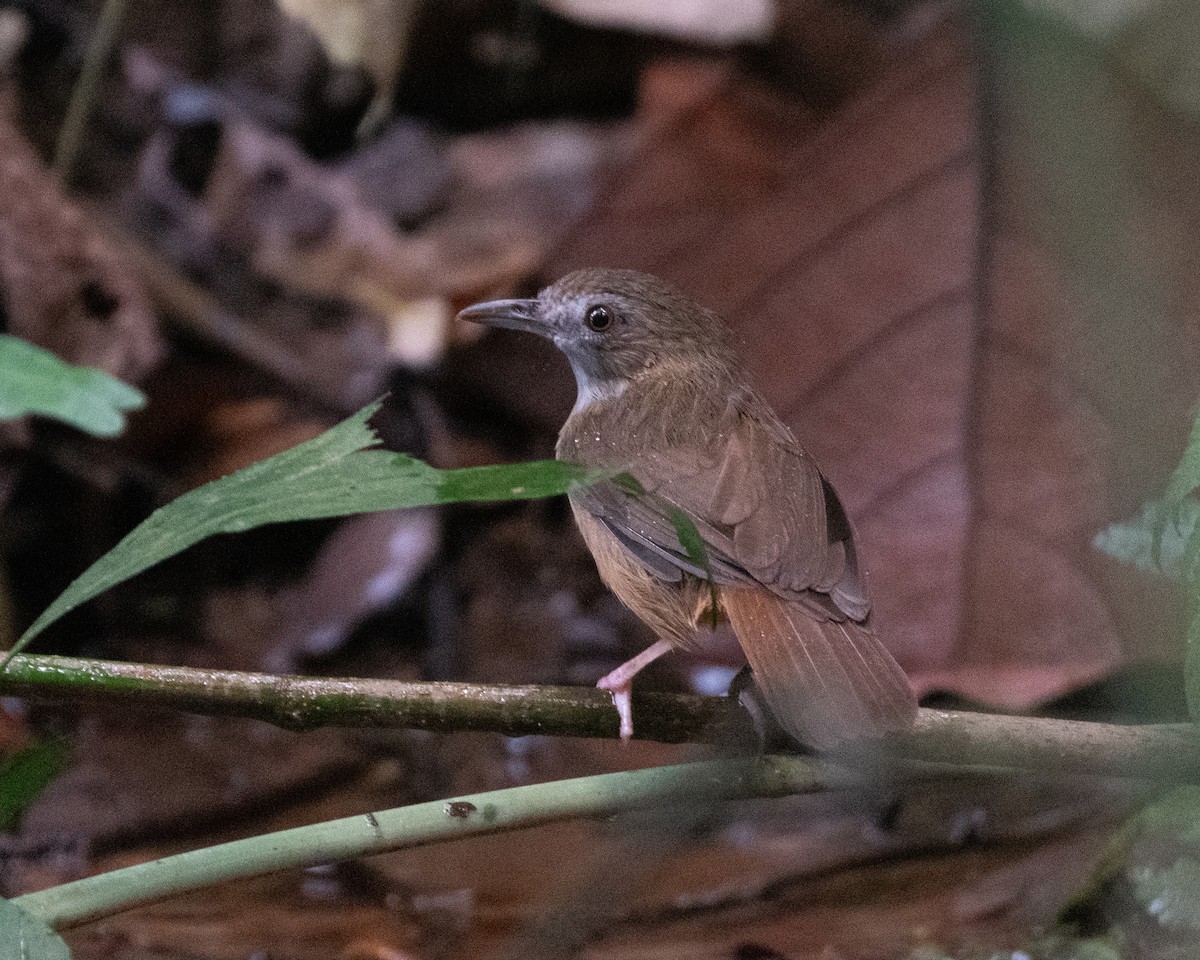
pixel 826 681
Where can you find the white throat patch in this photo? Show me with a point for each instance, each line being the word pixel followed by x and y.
pixel 591 391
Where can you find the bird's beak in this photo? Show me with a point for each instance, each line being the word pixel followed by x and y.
pixel 513 314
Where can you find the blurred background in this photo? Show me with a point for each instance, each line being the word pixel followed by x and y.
pixel 958 247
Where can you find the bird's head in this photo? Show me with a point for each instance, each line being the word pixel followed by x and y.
pixel 615 326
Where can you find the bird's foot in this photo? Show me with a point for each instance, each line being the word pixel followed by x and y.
pixel 620 687
pixel 763 733
pixel 620 684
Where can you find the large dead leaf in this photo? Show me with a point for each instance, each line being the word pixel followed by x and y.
pixel 981 425
pixel 62 286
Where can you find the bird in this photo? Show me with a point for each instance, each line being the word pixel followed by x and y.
pixel 711 511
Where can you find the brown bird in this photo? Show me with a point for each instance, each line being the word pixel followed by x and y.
pixel 663 397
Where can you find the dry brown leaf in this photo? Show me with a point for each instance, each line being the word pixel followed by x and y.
pixel 978 448
pixel 62 286
pixel 149 775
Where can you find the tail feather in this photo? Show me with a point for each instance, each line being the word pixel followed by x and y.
pixel 827 681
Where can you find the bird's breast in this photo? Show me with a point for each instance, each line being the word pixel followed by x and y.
pixel 592 438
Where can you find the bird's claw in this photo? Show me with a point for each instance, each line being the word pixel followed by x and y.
pixel 622 699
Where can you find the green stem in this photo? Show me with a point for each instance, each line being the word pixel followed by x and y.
pixel 83 96
pixel 1166 752
pixel 305 703
pixel 499 810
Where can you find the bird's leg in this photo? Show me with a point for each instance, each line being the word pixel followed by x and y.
pixel 620 683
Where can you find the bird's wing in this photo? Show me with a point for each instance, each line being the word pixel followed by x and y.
pixel 761 506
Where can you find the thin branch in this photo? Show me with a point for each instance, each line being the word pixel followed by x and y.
pixel 497 811
pixel 79 109
pixel 198 313
pixel 305 703
pixel 1160 752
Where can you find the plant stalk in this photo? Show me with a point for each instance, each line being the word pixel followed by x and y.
pixel 497 811
pixel 83 96
pixel 1164 752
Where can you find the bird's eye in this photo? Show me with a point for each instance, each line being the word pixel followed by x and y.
pixel 599 317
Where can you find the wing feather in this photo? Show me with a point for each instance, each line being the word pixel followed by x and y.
pixel 766 514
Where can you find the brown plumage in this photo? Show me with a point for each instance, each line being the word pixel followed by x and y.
pixel 662 396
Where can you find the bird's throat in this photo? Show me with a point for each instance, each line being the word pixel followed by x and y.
pixel 594 390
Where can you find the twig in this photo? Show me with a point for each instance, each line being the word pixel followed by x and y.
pixel 8 632
pixel 494 812
pixel 197 312
pixel 79 109
pixel 1168 753
pixel 304 703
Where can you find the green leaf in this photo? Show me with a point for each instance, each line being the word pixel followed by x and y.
pixel 25 775
pixel 1166 537
pixel 1157 541
pixel 1056 945
pixel 1176 813
pixel 1158 46
pixel 1152 41
pixel 1171 896
pixel 689 537
pixel 1186 478
pixel 331 475
pixel 1191 666
pixel 25 937
pixel 1180 502
pixel 33 380
pixel 1168 889
pixel 697 552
